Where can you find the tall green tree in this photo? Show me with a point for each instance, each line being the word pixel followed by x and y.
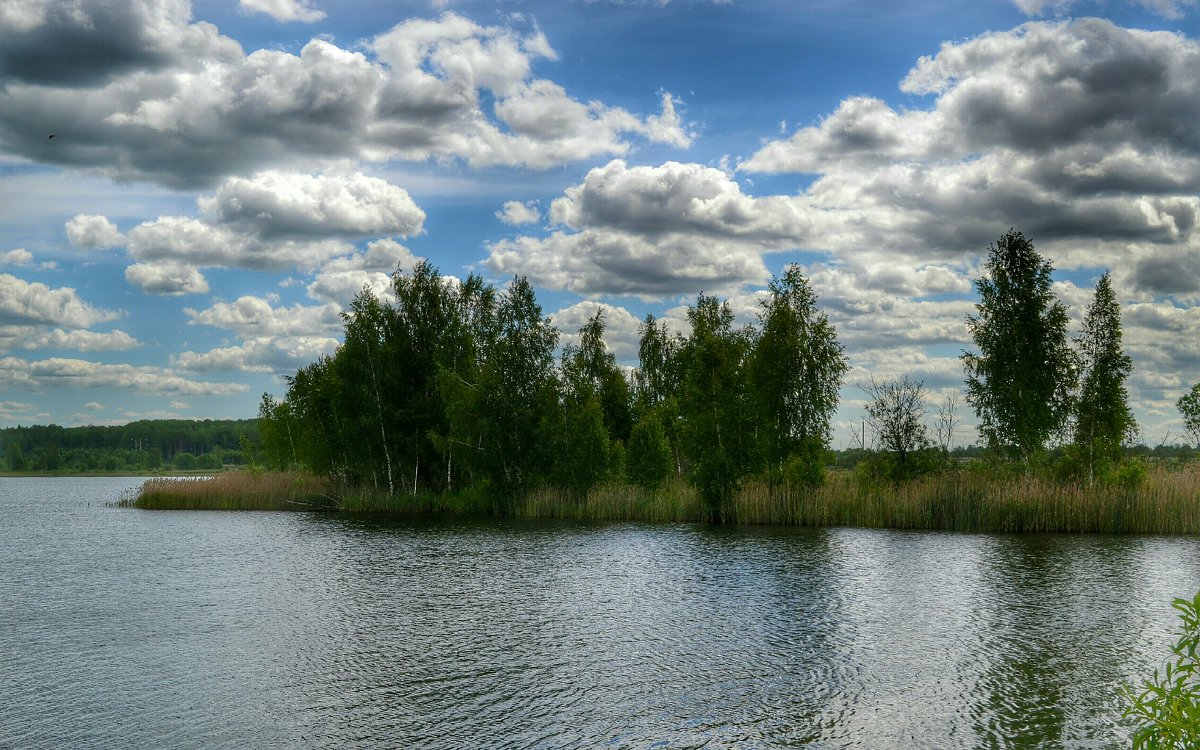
pixel 423 338
pixel 589 370
pixel 515 397
pixel 796 370
pixel 1020 383
pixel 14 457
pixel 718 421
pixel 476 326
pixel 595 408
pixel 275 428
pixel 1189 409
pixel 362 363
pixel 656 383
pixel 1103 419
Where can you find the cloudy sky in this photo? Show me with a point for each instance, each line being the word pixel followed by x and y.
pixel 225 175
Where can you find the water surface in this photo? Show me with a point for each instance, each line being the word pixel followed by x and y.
pixel 124 628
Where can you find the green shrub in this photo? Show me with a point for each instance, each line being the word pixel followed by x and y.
pixel 1167 711
pixel 648 460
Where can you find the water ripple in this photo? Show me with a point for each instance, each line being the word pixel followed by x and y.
pixel 122 628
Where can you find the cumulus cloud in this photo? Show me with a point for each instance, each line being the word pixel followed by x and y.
pixel 23 302
pixel 654 231
pixel 62 373
pixel 267 355
pixel 341 279
pixel 93 232
pixel 140 92
pixel 273 339
pixel 172 279
pixel 284 10
pixel 18 257
pixel 1079 133
pixel 270 221
pixel 282 204
pixel 254 317
pixel 86 43
pixel 84 341
pixel 515 213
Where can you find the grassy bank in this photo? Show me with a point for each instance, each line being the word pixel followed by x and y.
pixel 1165 501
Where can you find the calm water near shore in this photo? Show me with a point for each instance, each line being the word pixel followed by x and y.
pixel 125 628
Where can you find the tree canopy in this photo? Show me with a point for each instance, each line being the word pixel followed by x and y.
pixel 1022 379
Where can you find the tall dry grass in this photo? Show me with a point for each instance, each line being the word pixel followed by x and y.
pixel 1165 501
pixel 239 490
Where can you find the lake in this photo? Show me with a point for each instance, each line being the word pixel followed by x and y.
pixel 124 628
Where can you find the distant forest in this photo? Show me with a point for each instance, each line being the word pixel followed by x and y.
pixel 153 445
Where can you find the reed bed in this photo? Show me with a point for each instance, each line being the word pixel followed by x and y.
pixel 238 490
pixel 1164 501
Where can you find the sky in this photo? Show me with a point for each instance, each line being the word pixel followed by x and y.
pixel 224 176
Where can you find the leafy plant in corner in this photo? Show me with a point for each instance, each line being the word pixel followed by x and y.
pixel 1167 710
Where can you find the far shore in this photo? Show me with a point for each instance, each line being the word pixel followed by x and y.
pixel 98 473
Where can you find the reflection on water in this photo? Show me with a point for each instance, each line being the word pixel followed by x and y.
pixel 170 629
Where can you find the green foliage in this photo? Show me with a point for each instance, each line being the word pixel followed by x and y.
pixel 584 449
pixel 649 461
pixel 795 372
pixel 805 468
pixel 1167 710
pixel 718 421
pixel 144 445
pixel 1189 408
pixel 14 456
pixel 1103 420
pixel 1020 382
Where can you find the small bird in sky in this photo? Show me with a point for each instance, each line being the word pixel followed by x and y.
pixel 51 136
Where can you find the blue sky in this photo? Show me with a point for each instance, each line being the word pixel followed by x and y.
pixel 224 175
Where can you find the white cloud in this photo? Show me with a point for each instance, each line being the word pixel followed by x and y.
pixel 18 257
pixel 148 95
pixel 183 240
pixel 655 231
pixel 56 373
pixel 167 278
pixel 515 213
pixel 341 279
pixel 1078 133
pixel 620 327
pixel 24 302
pixel 282 355
pixel 94 406
pixel 84 341
pixel 90 231
pixel 282 204
pixel 284 10
pixel 254 317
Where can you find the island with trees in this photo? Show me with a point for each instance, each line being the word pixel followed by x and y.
pixel 450 398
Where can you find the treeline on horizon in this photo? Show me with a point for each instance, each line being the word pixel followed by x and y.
pixel 152 444
pixel 455 386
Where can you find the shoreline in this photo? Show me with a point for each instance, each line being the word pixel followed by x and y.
pixel 1167 502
